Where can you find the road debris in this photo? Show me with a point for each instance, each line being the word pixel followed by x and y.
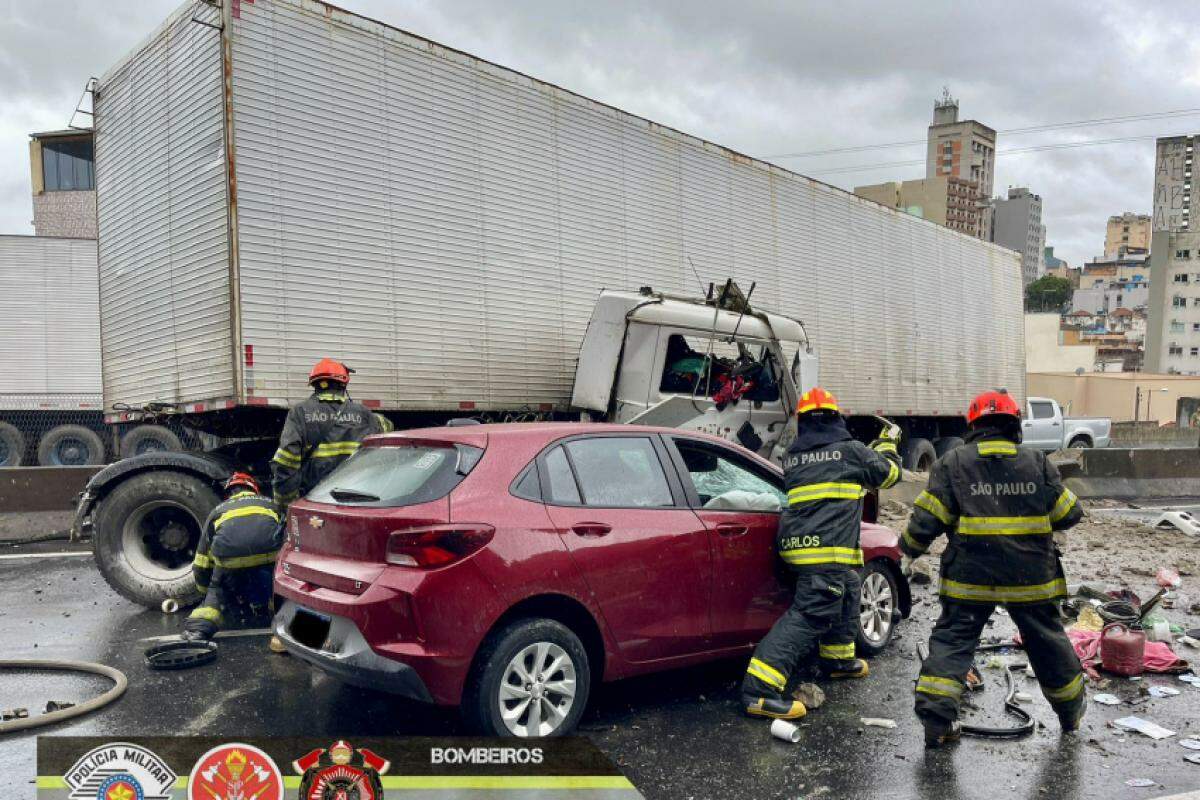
pixel 877 722
pixel 1163 691
pixel 1023 697
pixel 782 729
pixel 14 713
pixel 1144 727
pixel 1190 743
pixel 1180 520
pixel 57 705
pixel 1107 699
pixel 1140 783
pixel 810 694
pixel 1194 758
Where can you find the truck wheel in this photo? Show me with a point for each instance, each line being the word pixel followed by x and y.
pixel 879 608
pixel 1080 443
pixel 70 446
pixel 145 535
pixel 531 679
pixel 919 455
pixel 946 444
pixel 148 439
pixel 12 446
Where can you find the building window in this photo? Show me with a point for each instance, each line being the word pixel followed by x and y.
pixel 1195 351
pixel 1183 254
pixel 1196 327
pixel 1195 302
pixel 1179 302
pixel 67 165
pixel 1181 277
pixel 1175 350
pixel 1176 327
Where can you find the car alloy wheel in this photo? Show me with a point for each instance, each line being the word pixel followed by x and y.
pixel 537 690
pixel 878 603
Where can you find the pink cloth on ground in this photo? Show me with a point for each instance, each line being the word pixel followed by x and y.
pixel 1159 656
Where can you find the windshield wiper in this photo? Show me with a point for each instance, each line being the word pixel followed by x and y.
pixel 352 496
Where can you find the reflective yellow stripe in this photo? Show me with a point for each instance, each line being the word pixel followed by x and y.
pixel 823 555
pixel 331 397
pixel 332 449
pixel 946 687
pixel 892 476
pixel 885 447
pixel 996 447
pixel 824 491
pixel 206 612
pixel 286 458
pixel 934 506
pixel 1067 693
pixel 247 511
pixel 1066 501
pixel 913 543
pixel 202 561
pixel 838 652
pixel 1004 594
pixel 242 562
pixel 240 495
pixel 767 674
pixel 1003 526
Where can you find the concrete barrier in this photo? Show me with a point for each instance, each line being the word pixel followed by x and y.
pixel 1133 473
pixel 42 488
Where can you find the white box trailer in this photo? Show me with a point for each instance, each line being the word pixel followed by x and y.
pixel 280 180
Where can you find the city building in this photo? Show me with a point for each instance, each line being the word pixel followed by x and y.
pixel 1132 268
pixel 1176 205
pixel 64 185
pixel 1125 232
pixel 955 149
pixel 952 202
pixel 1017 225
pixel 1108 298
pixel 1173 328
pixel 1046 350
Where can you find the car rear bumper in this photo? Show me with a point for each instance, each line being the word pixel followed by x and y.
pixel 346 655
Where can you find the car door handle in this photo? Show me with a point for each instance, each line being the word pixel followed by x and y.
pixel 731 529
pixel 592 529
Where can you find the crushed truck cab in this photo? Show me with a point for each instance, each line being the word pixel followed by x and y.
pixel 713 365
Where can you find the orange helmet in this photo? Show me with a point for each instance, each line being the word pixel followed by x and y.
pixel 242 479
pixel 817 399
pixel 993 402
pixel 329 370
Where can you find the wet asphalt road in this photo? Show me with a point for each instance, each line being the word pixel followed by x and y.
pixel 676 734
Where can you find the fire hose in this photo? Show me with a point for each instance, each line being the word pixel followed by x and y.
pixel 120 682
pixel 1011 706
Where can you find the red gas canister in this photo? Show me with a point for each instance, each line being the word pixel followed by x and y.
pixel 1122 649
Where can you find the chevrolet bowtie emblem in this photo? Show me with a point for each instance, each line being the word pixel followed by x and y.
pixel 316 522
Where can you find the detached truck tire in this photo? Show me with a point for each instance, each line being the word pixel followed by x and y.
pixel 12 446
pixel 70 446
pixel 145 534
pixel 149 438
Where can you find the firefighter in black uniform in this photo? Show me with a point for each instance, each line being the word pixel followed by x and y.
pixel 997 504
pixel 235 559
pixel 320 433
pixel 826 473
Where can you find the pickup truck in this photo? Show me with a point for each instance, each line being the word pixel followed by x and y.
pixel 1045 427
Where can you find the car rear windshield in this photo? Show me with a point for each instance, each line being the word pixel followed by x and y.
pixel 393 476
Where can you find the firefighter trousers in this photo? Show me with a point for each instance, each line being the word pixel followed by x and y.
pixel 243 593
pixel 952 651
pixel 823 617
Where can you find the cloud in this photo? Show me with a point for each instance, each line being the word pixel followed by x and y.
pixel 761 77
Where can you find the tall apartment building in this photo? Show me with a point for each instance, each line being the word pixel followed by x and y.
pixel 1127 232
pixel 1173 330
pixel 1017 225
pixel 64 184
pixel 961 149
pixel 952 202
pixel 1176 203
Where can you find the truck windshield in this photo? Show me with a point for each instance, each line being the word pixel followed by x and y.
pixel 392 476
pixel 694 366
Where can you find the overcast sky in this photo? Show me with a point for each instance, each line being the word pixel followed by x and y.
pixel 763 78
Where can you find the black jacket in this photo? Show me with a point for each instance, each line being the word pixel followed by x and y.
pixel 826 473
pixel 240 533
pixel 998 504
pixel 319 434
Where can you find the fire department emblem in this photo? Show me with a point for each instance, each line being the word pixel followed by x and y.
pixel 235 772
pixel 120 771
pixel 342 772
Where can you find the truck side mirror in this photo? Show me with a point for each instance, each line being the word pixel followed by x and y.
pixel 796 369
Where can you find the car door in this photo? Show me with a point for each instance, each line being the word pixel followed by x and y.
pixel 739 501
pixel 1043 428
pixel 645 556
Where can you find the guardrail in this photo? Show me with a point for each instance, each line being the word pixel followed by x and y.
pixel 1130 473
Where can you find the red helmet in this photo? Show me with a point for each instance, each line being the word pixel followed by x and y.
pixel 993 402
pixel 242 479
pixel 329 370
pixel 816 399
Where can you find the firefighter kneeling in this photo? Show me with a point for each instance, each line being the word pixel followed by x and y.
pixel 998 505
pixel 235 560
pixel 826 473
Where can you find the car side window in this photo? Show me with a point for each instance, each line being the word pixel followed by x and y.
pixel 619 471
pixel 560 479
pixel 725 484
pixel 1042 410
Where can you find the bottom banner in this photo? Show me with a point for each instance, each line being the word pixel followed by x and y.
pixel 362 768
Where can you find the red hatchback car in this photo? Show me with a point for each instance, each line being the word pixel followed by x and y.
pixel 507 569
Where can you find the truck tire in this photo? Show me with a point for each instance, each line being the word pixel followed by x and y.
pixel 149 438
pixel 145 533
pixel 919 455
pixel 12 446
pixel 946 444
pixel 70 446
pixel 1080 442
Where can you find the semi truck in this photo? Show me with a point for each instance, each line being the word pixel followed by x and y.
pixel 281 181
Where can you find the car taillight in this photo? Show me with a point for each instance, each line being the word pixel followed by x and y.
pixel 436 545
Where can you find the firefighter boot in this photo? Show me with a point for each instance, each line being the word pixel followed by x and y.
pixel 773 707
pixel 1071 720
pixel 846 668
pixel 939 731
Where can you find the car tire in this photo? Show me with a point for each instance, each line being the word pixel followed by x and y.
pixel 149 439
pixel 1080 443
pixel 12 446
pixel 946 444
pixel 70 446
pixel 919 455
pixel 145 532
pixel 881 601
pixel 524 642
